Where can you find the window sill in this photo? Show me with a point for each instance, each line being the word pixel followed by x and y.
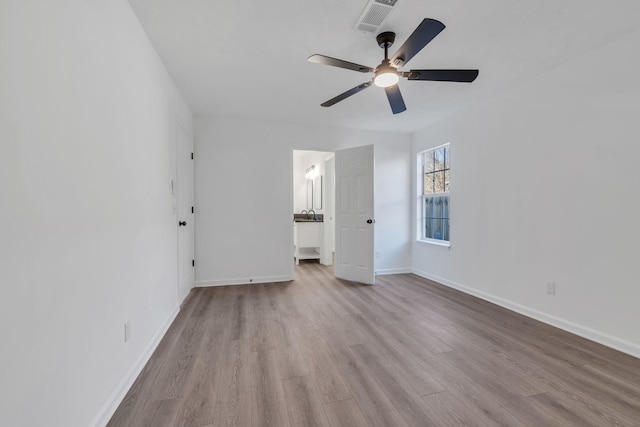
pixel 434 242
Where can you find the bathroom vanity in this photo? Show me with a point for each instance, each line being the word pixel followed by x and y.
pixel 307 237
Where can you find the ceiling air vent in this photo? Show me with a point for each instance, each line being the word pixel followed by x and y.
pixel 375 14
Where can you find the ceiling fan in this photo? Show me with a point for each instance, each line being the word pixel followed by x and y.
pixel 386 74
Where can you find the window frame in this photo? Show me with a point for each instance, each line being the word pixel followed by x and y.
pixel 422 195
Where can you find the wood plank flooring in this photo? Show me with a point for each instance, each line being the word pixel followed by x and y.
pixel 406 352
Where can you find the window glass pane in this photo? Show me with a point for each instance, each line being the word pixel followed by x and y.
pixel 438 159
pixel 445 229
pixel 439 182
pixel 428 214
pixel 437 229
pixel 436 217
pixel 446 181
pixel 428 162
pixel 445 206
pixel 428 229
pixel 428 183
pixel 428 207
pixel 447 162
pixel 438 210
pixel 430 232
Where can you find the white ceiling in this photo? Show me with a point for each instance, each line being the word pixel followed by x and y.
pixel 248 58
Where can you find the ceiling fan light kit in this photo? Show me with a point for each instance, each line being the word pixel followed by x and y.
pixel 386 75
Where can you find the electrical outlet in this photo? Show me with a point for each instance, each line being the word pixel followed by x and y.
pixel 127 331
pixel 551 288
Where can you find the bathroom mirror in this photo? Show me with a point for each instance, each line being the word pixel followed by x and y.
pixel 317 193
pixel 309 194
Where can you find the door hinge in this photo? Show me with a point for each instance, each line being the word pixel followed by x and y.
pixel 193 263
pixel 192 211
pixel 191 156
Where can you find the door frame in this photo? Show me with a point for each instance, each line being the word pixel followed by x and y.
pixel 293 148
pixel 176 201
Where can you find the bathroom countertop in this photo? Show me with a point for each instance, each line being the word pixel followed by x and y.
pixel 303 217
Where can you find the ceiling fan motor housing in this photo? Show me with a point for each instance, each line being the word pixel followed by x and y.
pixel 386 39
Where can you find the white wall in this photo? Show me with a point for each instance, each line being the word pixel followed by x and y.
pixel 88 230
pixel 544 189
pixel 243 196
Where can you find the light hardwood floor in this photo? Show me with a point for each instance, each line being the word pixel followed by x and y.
pixel 406 352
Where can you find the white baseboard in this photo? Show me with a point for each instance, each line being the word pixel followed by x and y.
pixel 243 281
pixel 383 271
pixel 109 408
pixel 616 343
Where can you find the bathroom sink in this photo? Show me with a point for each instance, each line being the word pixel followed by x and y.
pixel 307 220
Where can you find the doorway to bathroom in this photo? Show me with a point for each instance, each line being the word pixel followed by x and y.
pixel 313 206
pixel 333 211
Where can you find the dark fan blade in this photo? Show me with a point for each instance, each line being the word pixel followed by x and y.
pixel 426 31
pixel 395 99
pixel 465 76
pixel 347 94
pixel 327 60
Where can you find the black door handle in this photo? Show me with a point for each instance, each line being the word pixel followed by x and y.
pixel 182 223
pixel 369 221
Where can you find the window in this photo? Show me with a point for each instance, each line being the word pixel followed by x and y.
pixel 435 194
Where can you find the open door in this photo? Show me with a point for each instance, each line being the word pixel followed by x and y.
pixel 354 214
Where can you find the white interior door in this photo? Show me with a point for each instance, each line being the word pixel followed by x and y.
pixel 184 171
pixel 354 214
